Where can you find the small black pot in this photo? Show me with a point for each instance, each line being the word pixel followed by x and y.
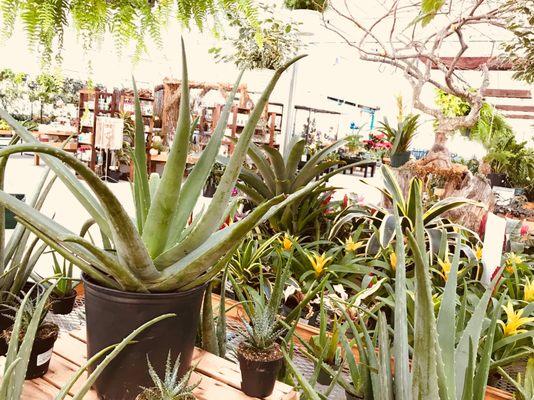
pixel 63 305
pixel 498 180
pixel 324 378
pixel 258 377
pixel 10 221
pixel 112 314
pixel 399 159
pixel 209 190
pixel 40 355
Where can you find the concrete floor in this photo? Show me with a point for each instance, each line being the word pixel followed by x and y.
pixel 22 176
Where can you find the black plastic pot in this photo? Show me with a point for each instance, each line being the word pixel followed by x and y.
pixel 11 222
pixel 5 313
pixel 209 190
pixel 63 305
pixel 258 377
pixel 350 396
pixel 324 378
pixel 111 315
pixel 40 355
pixel 399 159
pixel 498 180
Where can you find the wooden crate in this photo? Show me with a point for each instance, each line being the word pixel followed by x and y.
pixel 220 379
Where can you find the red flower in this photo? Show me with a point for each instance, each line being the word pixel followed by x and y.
pixel 524 230
pixel 345 201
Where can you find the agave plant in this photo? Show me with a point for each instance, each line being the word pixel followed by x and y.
pixel 159 251
pixel 170 387
pixel 277 175
pixel 18 354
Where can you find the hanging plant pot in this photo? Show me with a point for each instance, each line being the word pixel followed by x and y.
pixel 112 314
pixel 399 159
pixel 63 305
pixel 10 221
pixel 258 370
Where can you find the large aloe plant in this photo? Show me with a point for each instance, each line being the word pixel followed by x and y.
pixel 159 251
pixel 276 175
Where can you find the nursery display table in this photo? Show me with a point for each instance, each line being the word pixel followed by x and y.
pixel 220 379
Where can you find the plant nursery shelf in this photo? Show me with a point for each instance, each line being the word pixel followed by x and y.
pixel 219 378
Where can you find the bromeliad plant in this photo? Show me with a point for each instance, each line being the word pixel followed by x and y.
pixel 159 251
pixel 277 175
pixel 402 136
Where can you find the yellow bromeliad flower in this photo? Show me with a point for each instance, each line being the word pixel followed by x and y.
pixel 393 261
pixel 478 253
pixel 287 243
pixel 350 245
pixel 318 262
pixel 514 320
pixel 512 261
pixel 445 267
pixel 528 294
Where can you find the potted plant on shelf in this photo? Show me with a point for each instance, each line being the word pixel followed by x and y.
pixel 45 335
pixel 170 387
pixel 63 296
pixel 400 137
pixel 161 262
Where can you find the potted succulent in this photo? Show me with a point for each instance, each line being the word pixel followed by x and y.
pixel 170 387
pixel 259 354
pixel 45 336
pixel 400 137
pixel 159 263
pixel 63 296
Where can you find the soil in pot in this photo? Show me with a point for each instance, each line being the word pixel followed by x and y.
pixel 63 305
pixel 111 315
pixel 324 377
pixel 41 350
pixel 258 369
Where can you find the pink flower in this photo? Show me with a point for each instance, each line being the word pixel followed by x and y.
pixel 524 230
pixel 379 135
pixel 345 201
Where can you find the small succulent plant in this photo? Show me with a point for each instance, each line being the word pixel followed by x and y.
pixel 170 387
pixel 261 332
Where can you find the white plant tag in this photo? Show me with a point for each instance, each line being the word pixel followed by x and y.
pixel 43 358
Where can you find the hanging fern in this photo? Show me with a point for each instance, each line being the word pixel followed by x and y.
pixel 127 21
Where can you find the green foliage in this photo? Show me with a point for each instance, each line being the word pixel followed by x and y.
pixel 170 387
pixel 266 43
pixel 45 21
pixel 160 251
pixel 314 5
pixel 450 105
pixel 520 49
pixel 402 136
pixel 429 9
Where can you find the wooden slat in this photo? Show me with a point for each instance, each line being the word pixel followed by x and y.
pixel 474 63
pixel 508 93
pixel 519 116
pixel 38 389
pixel 513 107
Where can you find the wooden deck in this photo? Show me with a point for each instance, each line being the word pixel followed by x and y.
pixel 220 379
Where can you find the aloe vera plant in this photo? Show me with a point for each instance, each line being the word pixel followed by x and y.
pixel 159 251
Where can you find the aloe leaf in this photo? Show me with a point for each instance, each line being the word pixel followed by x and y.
pixel 386 232
pixel 164 203
pixel 317 158
pixel 277 161
pixel 308 389
pixel 140 184
pixel 193 265
pixel 129 246
pixel 480 380
pixel 213 217
pixel 255 182
pixel 467 393
pixel 199 174
pixel 82 194
pixel 384 364
pixel 472 332
pixel 446 324
pixel 24 351
pixel 424 363
pixel 400 342
pixel 114 353
pixel 209 337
